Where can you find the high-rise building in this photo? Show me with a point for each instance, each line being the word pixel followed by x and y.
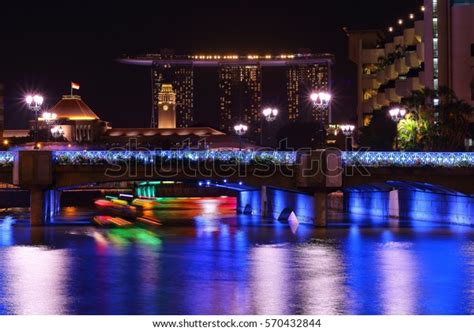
pixel 431 48
pixel 302 80
pixel 184 87
pixel 181 78
pixel 449 46
pixel 2 111
pixel 166 107
pixel 240 97
pixel 240 85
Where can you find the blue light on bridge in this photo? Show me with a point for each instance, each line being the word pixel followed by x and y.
pixel 361 158
pixel 6 158
pixel 147 157
pixel 408 159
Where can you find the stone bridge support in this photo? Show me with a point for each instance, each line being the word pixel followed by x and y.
pixel 318 173
pixel 33 171
pixel 279 204
pixel 411 204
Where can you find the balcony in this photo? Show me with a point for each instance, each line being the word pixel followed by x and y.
pixel 398 41
pixel 419 30
pixel 401 88
pixel 372 55
pixel 382 100
pixel 401 67
pixel 372 102
pixel 414 84
pixel 391 95
pixel 389 48
pixel 420 52
pixel 367 107
pixel 390 72
pixel 381 76
pixel 370 82
pixel 409 37
pixel 412 60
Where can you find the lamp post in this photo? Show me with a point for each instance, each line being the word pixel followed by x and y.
pixel 347 130
pixel 397 114
pixel 240 129
pixel 49 119
pixel 34 103
pixel 57 132
pixel 269 115
pixel 321 101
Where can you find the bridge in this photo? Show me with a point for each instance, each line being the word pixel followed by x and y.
pixel 276 184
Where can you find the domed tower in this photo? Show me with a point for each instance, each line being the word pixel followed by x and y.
pixel 75 119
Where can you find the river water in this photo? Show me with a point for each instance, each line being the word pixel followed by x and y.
pixel 205 260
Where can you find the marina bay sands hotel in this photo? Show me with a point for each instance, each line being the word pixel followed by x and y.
pixel 239 85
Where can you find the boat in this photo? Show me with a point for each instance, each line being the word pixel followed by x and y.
pixel 109 221
pixel 149 220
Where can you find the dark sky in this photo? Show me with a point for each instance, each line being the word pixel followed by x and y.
pixel 45 45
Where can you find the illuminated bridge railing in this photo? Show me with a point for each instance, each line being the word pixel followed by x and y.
pixel 408 159
pixel 149 157
pixel 367 159
pixel 6 159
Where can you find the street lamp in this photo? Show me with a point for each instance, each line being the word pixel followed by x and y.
pixel 270 115
pixel 397 114
pixel 321 100
pixel 240 129
pixel 347 130
pixel 57 132
pixel 49 118
pixel 34 103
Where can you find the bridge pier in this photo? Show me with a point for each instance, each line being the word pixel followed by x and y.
pixel 37 204
pixel 320 205
pixel 44 205
pixel 33 170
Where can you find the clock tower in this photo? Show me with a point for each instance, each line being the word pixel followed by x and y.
pixel 166 107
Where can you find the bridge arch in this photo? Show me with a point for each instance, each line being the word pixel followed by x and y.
pixel 410 200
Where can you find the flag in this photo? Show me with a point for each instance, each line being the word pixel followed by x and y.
pixel 75 86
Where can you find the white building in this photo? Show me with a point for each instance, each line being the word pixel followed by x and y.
pixel 431 48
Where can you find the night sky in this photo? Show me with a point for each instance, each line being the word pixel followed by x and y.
pixel 45 45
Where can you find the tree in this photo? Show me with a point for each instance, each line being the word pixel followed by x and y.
pixel 380 134
pixel 431 125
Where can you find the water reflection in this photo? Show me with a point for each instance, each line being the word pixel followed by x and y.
pixel 35 280
pixel 321 288
pixel 271 280
pixel 469 252
pixel 224 264
pixel 399 289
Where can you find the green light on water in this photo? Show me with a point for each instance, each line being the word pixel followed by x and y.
pixel 138 235
pixel 117 239
pixel 111 197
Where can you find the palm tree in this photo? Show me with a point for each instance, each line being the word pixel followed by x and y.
pixel 430 126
